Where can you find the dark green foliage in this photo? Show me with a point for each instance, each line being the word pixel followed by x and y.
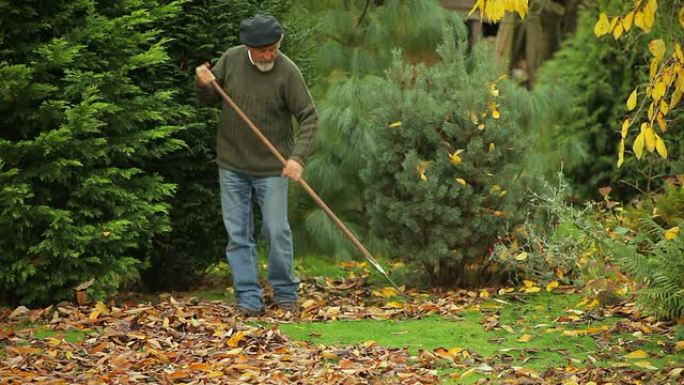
pixel 355 39
pixel 200 33
pixel 582 136
pixel 445 227
pixel 80 122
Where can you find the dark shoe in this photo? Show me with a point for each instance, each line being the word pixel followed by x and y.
pixel 245 312
pixel 291 307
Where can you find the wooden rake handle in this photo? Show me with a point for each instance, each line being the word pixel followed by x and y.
pixel 304 185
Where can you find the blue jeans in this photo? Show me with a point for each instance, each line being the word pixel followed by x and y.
pixel 236 205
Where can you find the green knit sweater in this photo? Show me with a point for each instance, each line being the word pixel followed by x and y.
pixel 270 99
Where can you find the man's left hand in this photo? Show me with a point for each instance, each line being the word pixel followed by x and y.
pixel 293 170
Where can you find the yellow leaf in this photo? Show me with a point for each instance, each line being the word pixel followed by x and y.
pixel 492 89
pixel 649 19
pixel 235 339
pixel 625 127
pixel 645 365
pixel 484 294
pixel 388 292
pixel 525 338
pixel 521 7
pixel 679 346
pixel 637 354
pixel 473 117
pixel 681 17
pixel 492 147
pixel 532 290
pixel 602 26
pixel 613 22
pixel 621 152
pixel 659 90
pixel 528 283
pixel 394 125
pixel 492 108
pixel 467 373
pixel 638 146
pixel 661 149
pixel 478 4
pixel 617 32
pixel 649 137
pixel 628 20
pixel 93 316
pixel 639 20
pixel 657 48
pixel 461 181
pixel 651 111
pixel 676 97
pixel 653 69
pixel 678 50
pixel 421 168
pixel 454 351
pixel 664 108
pixel 661 122
pixel 671 234
pixel 632 100
pixel 455 158
pixel 552 285
pixel 521 257
pixel 395 305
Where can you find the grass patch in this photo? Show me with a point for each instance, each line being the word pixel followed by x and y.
pixel 72 336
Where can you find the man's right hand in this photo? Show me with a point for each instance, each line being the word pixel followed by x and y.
pixel 204 75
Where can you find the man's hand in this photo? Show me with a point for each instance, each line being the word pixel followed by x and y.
pixel 293 170
pixel 204 75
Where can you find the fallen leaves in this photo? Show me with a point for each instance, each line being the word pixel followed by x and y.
pixel 202 343
pixel 193 342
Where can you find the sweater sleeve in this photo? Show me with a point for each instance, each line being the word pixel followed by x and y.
pixel 300 103
pixel 207 95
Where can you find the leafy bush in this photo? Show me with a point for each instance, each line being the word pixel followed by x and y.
pixel 557 242
pixel 80 125
pixel 446 179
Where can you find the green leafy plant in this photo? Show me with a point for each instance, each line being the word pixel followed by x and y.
pixel 652 250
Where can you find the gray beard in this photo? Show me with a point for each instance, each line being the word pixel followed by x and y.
pixel 264 67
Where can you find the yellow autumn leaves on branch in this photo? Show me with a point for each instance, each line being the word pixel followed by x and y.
pixel 494 10
pixel 666 79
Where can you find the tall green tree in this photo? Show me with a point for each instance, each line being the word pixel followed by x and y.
pixel 81 120
pixel 355 39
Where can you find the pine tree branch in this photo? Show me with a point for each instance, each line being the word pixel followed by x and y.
pixel 363 14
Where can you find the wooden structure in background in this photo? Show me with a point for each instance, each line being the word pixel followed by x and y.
pixel 463 7
pixel 525 44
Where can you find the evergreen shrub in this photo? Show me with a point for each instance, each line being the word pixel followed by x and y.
pixel 80 123
pixel 446 180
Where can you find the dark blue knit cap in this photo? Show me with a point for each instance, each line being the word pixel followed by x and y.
pixel 260 31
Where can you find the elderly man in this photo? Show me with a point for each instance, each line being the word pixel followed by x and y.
pixel 270 89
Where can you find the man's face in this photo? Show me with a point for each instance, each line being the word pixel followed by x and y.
pixel 264 57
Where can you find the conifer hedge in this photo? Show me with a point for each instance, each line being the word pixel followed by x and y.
pixel 81 119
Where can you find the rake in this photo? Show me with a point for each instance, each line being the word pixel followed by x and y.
pixel 306 186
